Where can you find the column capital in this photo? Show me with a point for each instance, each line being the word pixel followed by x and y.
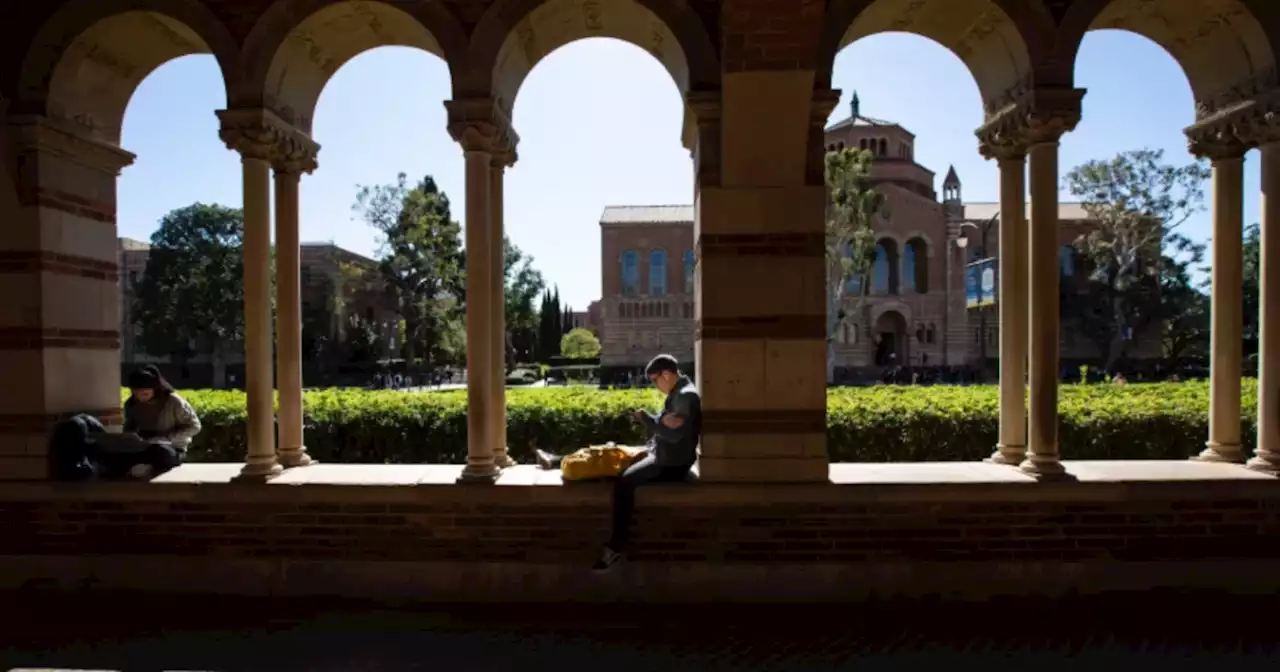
pixel 824 101
pixel 1037 116
pixel 481 125
pixel 701 135
pixel 258 133
pixel 40 134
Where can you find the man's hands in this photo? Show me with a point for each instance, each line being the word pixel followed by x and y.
pixel 672 421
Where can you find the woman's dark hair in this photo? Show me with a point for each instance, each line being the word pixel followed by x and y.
pixel 150 378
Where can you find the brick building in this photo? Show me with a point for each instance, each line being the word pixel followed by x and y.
pixel 324 267
pixel 913 310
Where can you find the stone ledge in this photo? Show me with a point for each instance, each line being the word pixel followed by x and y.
pixel 850 483
pixel 670 583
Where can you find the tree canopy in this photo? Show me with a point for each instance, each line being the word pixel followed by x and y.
pixel 1133 249
pixel 852 207
pixel 190 300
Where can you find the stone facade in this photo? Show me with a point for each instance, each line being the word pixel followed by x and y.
pixel 914 312
pixel 646 284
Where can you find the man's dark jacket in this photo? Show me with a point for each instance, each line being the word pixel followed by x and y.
pixel 677 447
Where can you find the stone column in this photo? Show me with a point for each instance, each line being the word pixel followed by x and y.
pixel 1226 341
pixel 296 158
pixel 759 226
pixel 1043 458
pixel 497 310
pixel 60 285
pixel 1267 457
pixel 1014 312
pixel 1029 274
pixel 254 133
pixel 471 125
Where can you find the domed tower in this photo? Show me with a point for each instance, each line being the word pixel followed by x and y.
pixel 952 204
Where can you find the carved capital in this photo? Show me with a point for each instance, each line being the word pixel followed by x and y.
pixel 1217 141
pixel 824 101
pixel 35 134
pixel 1040 115
pixel 261 134
pixel 480 125
pixel 702 135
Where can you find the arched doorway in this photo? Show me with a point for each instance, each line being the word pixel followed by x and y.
pixel 890 339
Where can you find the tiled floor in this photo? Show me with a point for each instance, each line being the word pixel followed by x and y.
pixel 844 473
pixel 140 634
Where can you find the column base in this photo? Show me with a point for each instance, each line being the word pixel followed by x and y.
pixel 503 460
pixel 259 472
pixel 1007 455
pixel 296 458
pixel 1265 463
pixel 1219 452
pixel 477 474
pixel 1045 469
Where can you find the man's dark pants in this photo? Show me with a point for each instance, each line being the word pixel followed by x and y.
pixel 644 470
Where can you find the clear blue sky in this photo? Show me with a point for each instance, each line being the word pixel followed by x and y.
pixel 599 122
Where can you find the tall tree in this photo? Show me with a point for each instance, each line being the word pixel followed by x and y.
pixel 523 284
pixel 190 299
pixel 852 206
pixel 1184 328
pixel 421 262
pixel 1136 204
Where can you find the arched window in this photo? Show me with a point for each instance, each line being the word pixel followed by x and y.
pixel 688 271
pixel 630 273
pixel 930 334
pixel 862 144
pixel 1066 261
pixel 657 273
pixel 915 266
pixel 909 268
pixel 884 272
pixel 884 147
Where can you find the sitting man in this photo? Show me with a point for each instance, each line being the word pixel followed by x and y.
pixel 670 454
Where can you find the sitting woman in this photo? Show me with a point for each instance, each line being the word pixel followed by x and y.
pixel 163 422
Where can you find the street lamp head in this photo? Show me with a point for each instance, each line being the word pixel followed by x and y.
pixel 962 242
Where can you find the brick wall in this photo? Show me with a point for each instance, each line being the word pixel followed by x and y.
pixel 1064 526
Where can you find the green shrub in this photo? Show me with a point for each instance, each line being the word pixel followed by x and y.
pixel 876 424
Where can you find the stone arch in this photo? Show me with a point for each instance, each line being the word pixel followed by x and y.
pixel 1222 46
pixel 1000 41
pixel 514 35
pixel 298 45
pixel 86 61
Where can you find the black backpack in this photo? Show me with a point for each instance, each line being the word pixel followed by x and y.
pixel 71 448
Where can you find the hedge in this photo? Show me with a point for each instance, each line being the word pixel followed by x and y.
pixel 874 424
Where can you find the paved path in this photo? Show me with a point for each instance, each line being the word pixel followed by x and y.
pixel 133 633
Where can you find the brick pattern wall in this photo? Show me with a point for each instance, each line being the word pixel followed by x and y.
pixel 1179 528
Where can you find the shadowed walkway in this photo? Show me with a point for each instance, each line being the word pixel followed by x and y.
pixel 134 633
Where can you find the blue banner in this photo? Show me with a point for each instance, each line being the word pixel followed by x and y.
pixel 981 283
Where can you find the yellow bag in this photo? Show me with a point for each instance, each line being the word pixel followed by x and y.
pixel 595 462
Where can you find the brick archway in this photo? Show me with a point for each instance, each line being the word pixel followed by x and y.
pixel 1222 46
pixel 87 60
pixel 1000 46
pixel 298 45
pixel 514 35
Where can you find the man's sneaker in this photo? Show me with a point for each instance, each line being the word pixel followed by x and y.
pixel 608 558
pixel 545 460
